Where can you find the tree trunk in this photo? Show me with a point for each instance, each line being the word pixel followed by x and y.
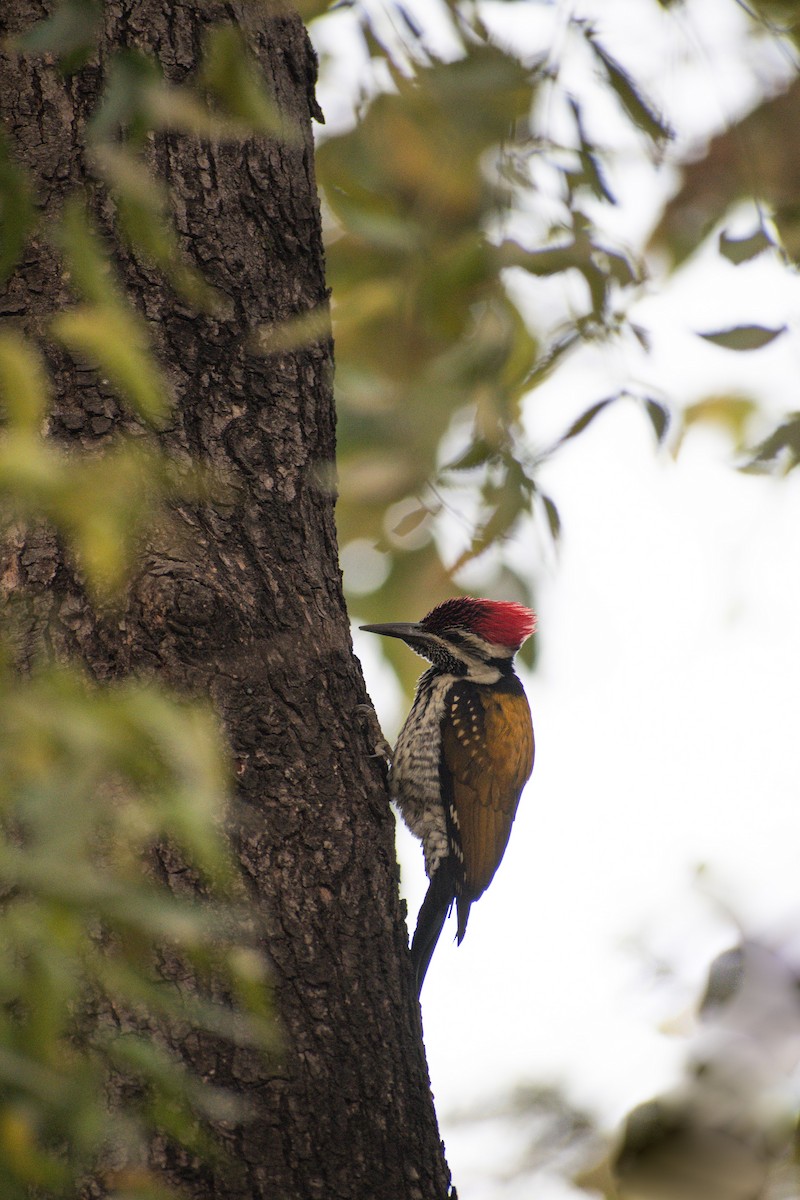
pixel 243 603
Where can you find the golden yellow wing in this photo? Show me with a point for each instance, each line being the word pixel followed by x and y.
pixel 488 749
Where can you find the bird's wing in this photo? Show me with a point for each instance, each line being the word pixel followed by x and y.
pixel 488 748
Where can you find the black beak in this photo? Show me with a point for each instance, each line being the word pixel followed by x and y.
pixel 405 630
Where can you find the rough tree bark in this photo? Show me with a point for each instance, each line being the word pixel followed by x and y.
pixel 245 606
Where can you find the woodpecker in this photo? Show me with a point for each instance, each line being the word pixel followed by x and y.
pixel 463 755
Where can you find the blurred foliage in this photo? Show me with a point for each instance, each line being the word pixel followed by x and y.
pixel 752 159
pixel 436 202
pixel 105 329
pixel 556 1138
pixel 434 356
pixel 93 777
pixel 16 209
pixel 732 414
pixel 69 33
pixel 451 156
pixel 100 502
pixel 727 1131
pixel 744 337
pixel 423 324
pixel 453 185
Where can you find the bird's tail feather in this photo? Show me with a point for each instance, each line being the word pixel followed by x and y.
pixel 432 915
pixel 463 904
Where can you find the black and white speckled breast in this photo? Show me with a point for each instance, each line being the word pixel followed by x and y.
pixel 415 779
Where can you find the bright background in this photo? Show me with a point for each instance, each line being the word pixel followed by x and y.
pixel 661 818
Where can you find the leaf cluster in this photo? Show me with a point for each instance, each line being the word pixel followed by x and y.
pixel 104 970
pixel 451 194
pixel 434 354
pixel 92 779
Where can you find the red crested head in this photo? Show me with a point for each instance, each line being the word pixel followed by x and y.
pixel 502 622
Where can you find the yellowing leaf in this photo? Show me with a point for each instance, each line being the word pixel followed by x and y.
pixel 116 340
pixel 23 383
pixel 32 472
pixel 88 262
pixel 729 412
pixel 147 225
pixel 301 330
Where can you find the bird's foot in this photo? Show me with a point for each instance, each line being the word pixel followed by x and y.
pixel 380 746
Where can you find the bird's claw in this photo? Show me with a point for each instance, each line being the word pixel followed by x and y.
pixel 380 747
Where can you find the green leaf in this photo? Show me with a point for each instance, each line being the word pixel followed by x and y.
pixel 94 775
pixel 744 337
pixel 619 267
pixel 591 173
pixel 23 382
pixel 640 111
pixel 550 261
pixel 99 503
pixel 548 362
pixel 304 329
pixel 231 74
pixel 69 34
pixel 713 183
pixel 147 225
pixel 476 455
pixel 659 417
pixel 311 9
pixel 783 443
pixel 106 331
pixel 586 419
pixel 134 81
pixel 87 259
pixel 507 502
pixel 32 473
pixel 116 341
pixel 732 413
pixel 17 214
pixel 410 522
pixel 740 250
pixel 553 518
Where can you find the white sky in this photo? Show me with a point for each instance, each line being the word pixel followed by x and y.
pixel 665 700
